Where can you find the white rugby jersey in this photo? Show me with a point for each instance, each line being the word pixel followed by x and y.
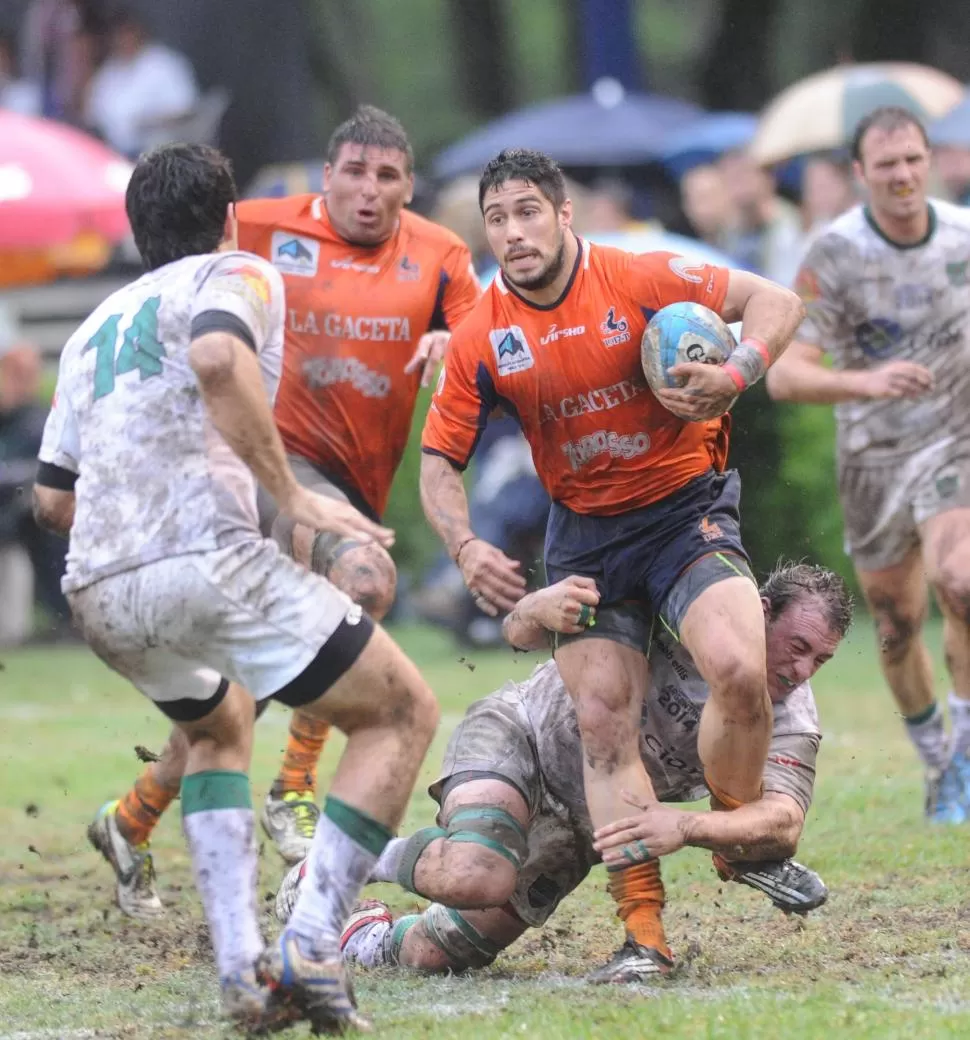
pixel 155 478
pixel 870 301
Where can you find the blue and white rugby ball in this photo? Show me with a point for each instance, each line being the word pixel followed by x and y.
pixel 679 333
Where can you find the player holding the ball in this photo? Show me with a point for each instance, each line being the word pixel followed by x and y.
pixel 641 501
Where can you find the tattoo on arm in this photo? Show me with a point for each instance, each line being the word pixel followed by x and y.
pixel 444 501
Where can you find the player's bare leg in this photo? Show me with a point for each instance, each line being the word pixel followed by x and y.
pixel 898 600
pixel 389 716
pixel 724 631
pixel 946 551
pixel 366 572
pixel 606 680
pixel 122 829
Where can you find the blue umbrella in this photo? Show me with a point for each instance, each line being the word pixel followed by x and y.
pixel 953 129
pixel 607 127
pixel 649 240
pixel 707 138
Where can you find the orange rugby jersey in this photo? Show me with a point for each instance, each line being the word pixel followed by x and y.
pixel 354 316
pixel 571 373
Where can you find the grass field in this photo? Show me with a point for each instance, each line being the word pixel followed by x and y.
pixel 888 956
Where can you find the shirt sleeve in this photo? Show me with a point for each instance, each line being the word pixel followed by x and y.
pixel 656 280
pixel 462 290
pixel 60 446
pixel 241 295
pixel 790 768
pixel 817 283
pixel 459 410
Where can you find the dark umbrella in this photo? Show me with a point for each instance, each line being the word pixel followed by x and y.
pixel 606 127
pixel 953 130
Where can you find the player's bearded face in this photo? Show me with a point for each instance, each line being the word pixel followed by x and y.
pixel 797 643
pixel 895 167
pixel 365 190
pixel 527 234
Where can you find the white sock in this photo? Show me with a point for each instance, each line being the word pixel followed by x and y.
pixel 338 867
pixel 959 723
pixel 929 737
pixel 368 945
pixel 389 862
pixel 225 867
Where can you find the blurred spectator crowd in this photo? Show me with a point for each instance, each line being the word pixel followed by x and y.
pixel 96 65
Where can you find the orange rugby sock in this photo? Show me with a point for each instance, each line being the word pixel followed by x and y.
pixel 298 770
pixel 142 807
pixel 638 892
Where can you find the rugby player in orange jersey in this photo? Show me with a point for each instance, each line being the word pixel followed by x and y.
pixel 641 503
pixel 371 291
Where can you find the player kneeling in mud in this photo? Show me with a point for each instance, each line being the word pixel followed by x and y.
pixel 514 836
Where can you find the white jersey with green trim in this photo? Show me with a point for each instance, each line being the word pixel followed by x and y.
pixel 870 301
pixel 155 478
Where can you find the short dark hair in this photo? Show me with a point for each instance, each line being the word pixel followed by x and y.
pixel 886 118
pixel 177 200
pixel 370 127
pixel 790 582
pixel 524 164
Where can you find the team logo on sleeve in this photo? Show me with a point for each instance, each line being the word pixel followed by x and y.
pixel 614 330
pixel 294 254
pixel 683 268
pixel 254 281
pixel 512 353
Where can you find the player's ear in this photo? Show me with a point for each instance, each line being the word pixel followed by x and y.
pixel 857 169
pixel 766 607
pixel 327 174
pixel 566 214
pixel 230 230
pixel 409 194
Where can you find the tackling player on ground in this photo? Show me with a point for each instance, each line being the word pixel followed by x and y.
pixel 514 836
pixel 887 289
pixel 365 282
pixel 640 501
pixel 160 428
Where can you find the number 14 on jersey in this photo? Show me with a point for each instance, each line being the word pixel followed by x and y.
pixel 140 348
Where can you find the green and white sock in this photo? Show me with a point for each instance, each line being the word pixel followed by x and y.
pixel 345 848
pixel 217 818
pixel 928 735
pixel 959 724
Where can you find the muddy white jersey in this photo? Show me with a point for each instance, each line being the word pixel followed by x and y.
pixel 155 478
pixel 870 301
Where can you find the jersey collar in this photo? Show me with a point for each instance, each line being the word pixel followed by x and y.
pixel 582 261
pixel 930 228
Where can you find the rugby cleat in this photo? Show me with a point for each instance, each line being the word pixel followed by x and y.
pixel 290 822
pixel 364 939
pixel 289 890
pixel 790 886
pixel 320 991
pixel 948 792
pixel 132 864
pixel 632 963
pixel 246 1004
pixel 944 802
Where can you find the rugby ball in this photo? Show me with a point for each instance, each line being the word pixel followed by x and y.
pixel 679 333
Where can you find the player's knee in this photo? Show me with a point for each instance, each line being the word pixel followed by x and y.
pixel 366 573
pixel 482 878
pixel 898 629
pixel 486 848
pixel 602 709
pixel 460 943
pixel 952 588
pixel 738 681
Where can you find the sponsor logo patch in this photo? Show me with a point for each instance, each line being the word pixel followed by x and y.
pixel 295 254
pixel 512 353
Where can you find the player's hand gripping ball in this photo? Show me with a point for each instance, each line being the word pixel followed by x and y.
pixel 679 334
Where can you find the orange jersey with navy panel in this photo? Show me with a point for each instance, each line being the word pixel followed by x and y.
pixel 354 318
pixel 571 373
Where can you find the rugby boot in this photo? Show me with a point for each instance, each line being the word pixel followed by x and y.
pixel 290 822
pixel 132 864
pixel 790 886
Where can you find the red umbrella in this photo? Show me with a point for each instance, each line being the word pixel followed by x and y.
pixel 57 183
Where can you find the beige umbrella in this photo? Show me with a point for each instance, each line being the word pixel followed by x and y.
pixel 821 112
